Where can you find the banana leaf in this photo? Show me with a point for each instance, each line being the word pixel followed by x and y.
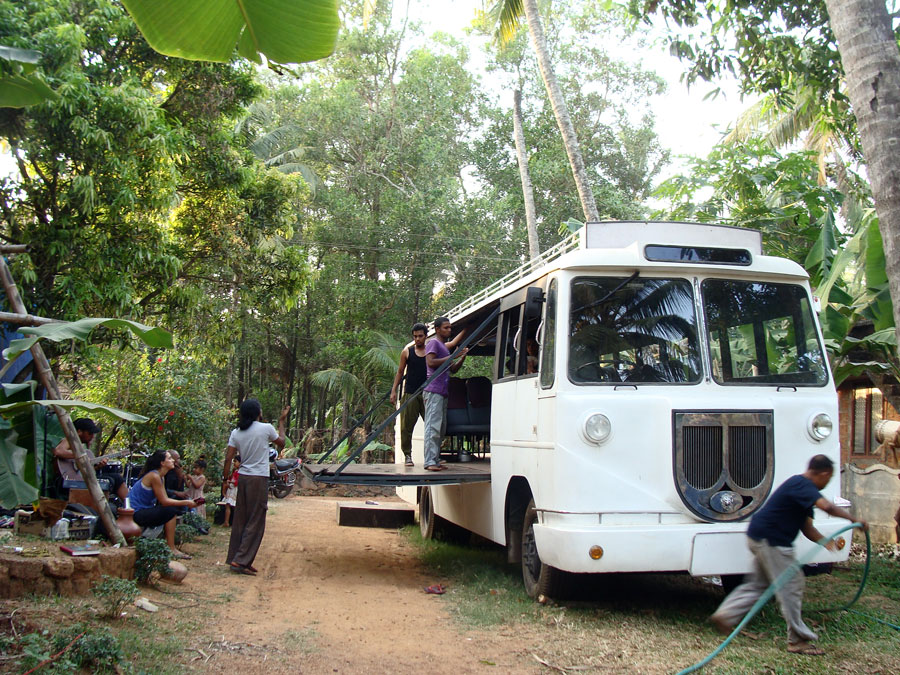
pixel 8 408
pixel 80 330
pixel 284 31
pixel 14 489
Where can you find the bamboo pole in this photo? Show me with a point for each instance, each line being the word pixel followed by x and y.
pixel 45 375
pixel 25 319
pixel 13 248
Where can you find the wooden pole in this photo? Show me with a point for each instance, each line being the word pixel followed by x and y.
pixel 25 319
pixel 13 248
pixel 45 375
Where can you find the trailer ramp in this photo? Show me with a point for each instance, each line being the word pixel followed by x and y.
pixel 478 471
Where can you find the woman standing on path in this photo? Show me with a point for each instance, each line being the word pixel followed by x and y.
pixel 248 523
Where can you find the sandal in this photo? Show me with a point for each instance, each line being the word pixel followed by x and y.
pixel 241 569
pixel 434 467
pixel 180 555
pixel 437 589
pixel 806 648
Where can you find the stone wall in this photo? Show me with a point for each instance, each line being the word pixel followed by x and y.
pixel 61 574
pixel 875 494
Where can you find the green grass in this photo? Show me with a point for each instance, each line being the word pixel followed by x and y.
pixel 658 623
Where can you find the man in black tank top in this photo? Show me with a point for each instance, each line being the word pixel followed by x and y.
pixel 412 365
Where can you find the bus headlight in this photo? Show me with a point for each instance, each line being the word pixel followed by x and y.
pixel 820 427
pixel 596 428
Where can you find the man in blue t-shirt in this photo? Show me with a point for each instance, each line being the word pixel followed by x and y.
pixel 770 537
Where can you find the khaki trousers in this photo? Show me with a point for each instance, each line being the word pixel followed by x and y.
pixel 768 563
pixel 408 418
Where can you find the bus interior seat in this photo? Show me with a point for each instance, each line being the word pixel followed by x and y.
pixel 478 395
pixel 469 406
pixel 457 409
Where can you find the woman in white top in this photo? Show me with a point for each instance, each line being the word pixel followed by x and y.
pixel 251 441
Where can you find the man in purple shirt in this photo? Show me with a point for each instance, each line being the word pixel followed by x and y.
pixel 435 394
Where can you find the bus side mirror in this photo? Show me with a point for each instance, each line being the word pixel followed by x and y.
pixel 534 298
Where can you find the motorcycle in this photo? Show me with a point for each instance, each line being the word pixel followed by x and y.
pixel 282 474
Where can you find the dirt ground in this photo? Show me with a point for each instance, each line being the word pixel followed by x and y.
pixel 332 599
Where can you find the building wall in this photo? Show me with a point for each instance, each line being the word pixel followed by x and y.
pixel 869 476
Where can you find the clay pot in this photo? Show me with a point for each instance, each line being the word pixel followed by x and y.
pixel 130 529
pixel 177 572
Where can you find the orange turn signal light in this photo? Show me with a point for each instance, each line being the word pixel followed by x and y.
pixel 596 552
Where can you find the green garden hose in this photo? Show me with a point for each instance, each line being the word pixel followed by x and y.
pixel 781 581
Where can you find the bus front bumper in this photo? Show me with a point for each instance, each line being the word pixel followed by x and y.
pixel 698 548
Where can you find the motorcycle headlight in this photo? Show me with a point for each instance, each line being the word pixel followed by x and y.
pixel 820 427
pixel 596 428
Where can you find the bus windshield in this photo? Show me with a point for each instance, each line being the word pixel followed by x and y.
pixel 762 333
pixel 628 329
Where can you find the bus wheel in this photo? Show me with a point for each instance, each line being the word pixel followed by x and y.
pixel 432 526
pixel 426 514
pixel 540 579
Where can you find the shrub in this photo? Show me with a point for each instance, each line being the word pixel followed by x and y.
pixel 97 650
pixel 153 555
pixel 114 594
pixel 194 521
pixel 184 534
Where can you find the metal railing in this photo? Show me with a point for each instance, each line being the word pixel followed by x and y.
pixel 570 243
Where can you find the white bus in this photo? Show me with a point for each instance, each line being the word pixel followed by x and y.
pixel 679 377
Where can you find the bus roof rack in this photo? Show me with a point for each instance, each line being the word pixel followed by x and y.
pixel 622 234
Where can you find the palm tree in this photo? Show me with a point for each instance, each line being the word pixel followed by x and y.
pixel 871 62
pixel 509 14
pixel 276 148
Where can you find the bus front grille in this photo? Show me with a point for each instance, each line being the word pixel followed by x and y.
pixel 702 456
pixel 724 461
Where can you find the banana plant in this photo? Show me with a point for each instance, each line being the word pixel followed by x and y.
pixel 20 478
pixel 849 278
pixel 21 85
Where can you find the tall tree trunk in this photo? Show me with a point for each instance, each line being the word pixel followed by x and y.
pixel 534 246
pixel 560 110
pixel 871 63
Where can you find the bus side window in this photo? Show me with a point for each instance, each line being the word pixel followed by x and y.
pixel 548 339
pixel 507 352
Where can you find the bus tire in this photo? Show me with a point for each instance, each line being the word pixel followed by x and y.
pixel 432 526
pixel 426 514
pixel 540 578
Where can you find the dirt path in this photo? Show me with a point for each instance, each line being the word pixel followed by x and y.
pixel 333 599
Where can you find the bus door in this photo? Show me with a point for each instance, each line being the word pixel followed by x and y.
pixel 518 362
pixel 546 417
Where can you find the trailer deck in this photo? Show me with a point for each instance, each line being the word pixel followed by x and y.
pixel 476 471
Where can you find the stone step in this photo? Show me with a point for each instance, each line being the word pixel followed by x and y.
pixel 390 515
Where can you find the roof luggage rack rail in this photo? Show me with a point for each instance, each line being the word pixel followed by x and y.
pixel 570 243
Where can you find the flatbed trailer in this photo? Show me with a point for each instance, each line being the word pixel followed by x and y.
pixel 455 473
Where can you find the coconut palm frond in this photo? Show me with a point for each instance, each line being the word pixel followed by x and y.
pixel 506 15
pixel 305 172
pixel 749 122
pixel 258 116
pixel 335 379
pixel 270 144
pixel 288 156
